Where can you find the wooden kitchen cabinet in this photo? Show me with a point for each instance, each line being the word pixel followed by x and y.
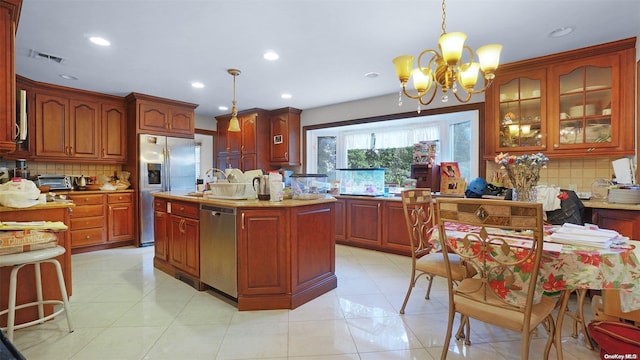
pixel 373 223
pixel 341 222
pixel 87 220
pixel 626 222
pixel 284 142
pixel 263 232
pixel 184 237
pixel 567 105
pixel 364 223
pixel 101 220
pixel 73 125
pixel 9 14
pixel 66 128
pixel 120 219
pixel 159 116
pixel 246 149
pixel 165 118
pixel 516 107
pixel 114 131
pixel 394 235
pixel 160 224
pixel 285 257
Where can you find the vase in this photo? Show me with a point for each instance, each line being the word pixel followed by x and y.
pixel 526 194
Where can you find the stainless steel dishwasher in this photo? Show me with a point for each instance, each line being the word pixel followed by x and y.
pixel 218 260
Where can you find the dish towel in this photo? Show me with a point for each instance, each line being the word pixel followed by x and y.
pixel 548 196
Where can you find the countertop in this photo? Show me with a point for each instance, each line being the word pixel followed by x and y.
pixel 606 205
pixel 251 203
pixel 49 205
pixel 79 192
pixel 587 203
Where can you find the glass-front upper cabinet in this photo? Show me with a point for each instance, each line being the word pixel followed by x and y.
pixel 567 105
pixel 519 111
pixel 586 104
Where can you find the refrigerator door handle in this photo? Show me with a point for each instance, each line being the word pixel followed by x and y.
pixel 166 173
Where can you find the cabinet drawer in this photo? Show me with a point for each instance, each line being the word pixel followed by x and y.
pixel 119 198
pixel 160 205
pixel 185 209
pixel 87 223
pixel 87 237
pixel 87 211
pixel 87 199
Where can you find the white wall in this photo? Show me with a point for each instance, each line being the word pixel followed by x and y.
pixel 205 122
pixel 372 107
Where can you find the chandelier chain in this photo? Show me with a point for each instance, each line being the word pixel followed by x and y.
pixel 444 16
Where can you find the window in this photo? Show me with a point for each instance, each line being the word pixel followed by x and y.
pixel 457 134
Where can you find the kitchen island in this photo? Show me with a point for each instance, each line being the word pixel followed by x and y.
pixel 285 251
pixel 52 211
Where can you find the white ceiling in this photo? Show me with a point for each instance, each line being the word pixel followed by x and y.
pixel 326 46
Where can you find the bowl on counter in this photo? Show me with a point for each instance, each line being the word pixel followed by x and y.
pixel 92 187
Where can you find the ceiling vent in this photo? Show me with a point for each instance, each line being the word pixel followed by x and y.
pixel 46 57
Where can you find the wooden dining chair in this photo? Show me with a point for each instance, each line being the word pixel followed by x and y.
pixel 503 240
pixel 419 217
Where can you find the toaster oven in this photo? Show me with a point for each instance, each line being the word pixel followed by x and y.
pixel 55 182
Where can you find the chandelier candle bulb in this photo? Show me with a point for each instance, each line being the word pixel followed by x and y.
pixel 447 69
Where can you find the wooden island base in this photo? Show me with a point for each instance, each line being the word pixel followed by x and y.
pixel 285 250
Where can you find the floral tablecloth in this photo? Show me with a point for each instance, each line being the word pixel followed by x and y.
pixel 570 267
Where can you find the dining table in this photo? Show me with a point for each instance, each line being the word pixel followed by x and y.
pixel 568 268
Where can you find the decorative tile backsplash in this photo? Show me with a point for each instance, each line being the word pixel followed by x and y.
pixel 569 173
pixel 36 168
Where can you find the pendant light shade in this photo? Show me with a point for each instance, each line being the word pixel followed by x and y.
pixel 234 124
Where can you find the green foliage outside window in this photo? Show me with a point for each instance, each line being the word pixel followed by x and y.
pixel 396 161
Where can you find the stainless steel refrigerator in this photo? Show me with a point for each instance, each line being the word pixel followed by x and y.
pixel 165 164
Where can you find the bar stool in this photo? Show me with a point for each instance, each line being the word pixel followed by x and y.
pixel 35 257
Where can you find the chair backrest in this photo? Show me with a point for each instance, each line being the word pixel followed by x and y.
pixel 418 214
pixel 502 240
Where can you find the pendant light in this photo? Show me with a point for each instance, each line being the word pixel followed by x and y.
pixel 234 124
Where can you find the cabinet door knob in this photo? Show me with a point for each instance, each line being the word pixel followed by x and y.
pixel 556 146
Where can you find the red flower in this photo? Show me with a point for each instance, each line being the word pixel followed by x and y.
pixel 553 284
pixel 527 266
pixel 590 258
pixel 499 288
pixel 563 195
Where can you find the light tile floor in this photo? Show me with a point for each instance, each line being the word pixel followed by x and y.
pixel 123 308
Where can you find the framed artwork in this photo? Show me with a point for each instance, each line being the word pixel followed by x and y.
pixel 450 180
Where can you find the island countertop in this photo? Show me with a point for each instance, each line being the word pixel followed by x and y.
pixel 250 203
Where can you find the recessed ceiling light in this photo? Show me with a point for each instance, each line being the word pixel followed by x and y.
pixel 68 77
pixel 271 55
pixel 372 74
pixel 561 31
pixel 99 41
pixel 286 96
pixel 197 85
pixel 223 108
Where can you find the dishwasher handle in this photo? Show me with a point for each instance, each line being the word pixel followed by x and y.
pixel 218 210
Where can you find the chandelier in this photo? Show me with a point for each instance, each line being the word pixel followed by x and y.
pixel 446 68
pixel 234 124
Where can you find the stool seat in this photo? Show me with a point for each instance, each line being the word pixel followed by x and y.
pixel 31 256
pixel 35 257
